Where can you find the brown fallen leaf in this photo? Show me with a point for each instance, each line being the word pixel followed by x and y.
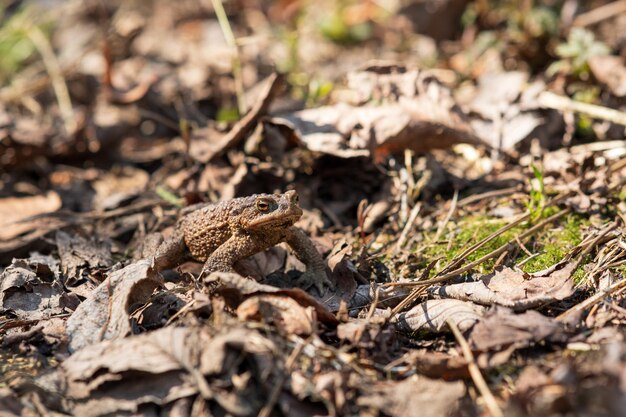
pixel 235 289
pixel 31 289
pixel 283 312
pixel 80 256
pixel 15 209
pixel 611 71
pixel 438 365
pixel 120 376
pixel 116 186
pixel 106 313
pixel 431 316
pixel 417 112
pixel 416 395
pixel 514 289
pixel 502 331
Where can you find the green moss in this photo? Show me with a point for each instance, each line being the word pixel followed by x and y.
pixel 467 232
pixel 551 244
pixel 554 243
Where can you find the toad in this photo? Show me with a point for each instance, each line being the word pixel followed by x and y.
pixel 221 234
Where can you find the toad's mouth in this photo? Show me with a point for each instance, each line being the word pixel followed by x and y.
pixel 278 221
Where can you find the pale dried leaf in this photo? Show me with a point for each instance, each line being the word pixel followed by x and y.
pixel 611 71
pixel 283 312
pixel 30 289
pixel 513 289
pixel 432 397
pixel 14 209
pixel 106 313
pixel 417 112
pixel 501 327
pixel 432 315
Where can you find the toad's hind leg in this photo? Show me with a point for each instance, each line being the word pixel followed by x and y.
pixel 237 247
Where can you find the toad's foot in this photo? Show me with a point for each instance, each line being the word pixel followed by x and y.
pixel 317 279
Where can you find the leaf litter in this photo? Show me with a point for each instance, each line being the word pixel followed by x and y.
pixel 475 189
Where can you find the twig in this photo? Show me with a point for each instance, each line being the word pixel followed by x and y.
pixel 595 299
pixel 600 13
pixel 278 386
pixel 488 194
pixel 474 370
pixel 556 102
pixel 407 227
pixel 453 206
pixel 222 18
pixel 59 86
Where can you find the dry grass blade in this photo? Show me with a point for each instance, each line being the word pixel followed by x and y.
pixel 593 300
pixel 56 76
pixel 556 102
pixel 278 386
pixel 474 371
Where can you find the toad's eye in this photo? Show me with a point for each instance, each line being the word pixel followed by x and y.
pixel 262 205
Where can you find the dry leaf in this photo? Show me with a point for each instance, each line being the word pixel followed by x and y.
pixel 14 209
pixel 283 312
pixel 31 289
pixel 418 112
pixel 235 288
pixel 431 316
pixel 415 395
pixel 514 289
pixel 118 376
pixel 106 313
pixel 500 328
pixel 611 71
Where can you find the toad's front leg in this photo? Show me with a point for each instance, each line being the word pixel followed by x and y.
pixel 305 251
pixel 238 246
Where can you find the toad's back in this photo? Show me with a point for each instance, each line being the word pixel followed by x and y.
pixel 206 229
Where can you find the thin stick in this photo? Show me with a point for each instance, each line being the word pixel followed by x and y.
pixel 474 370
pixel 595 299
pixel 600 13
pixel 53 68
pixel 222 19
pixel 407 227
pixel 453 206
pixel 488 194
pixel 556 102
pixel 289 363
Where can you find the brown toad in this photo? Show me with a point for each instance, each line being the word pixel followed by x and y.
pixel 224 233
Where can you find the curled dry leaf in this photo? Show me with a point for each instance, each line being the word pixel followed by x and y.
pixel 514 289
pixel 15 209
pixel 119 376
pixel 112 188
pixel 501 328
pixel 611 71
pixel 80 256
pixel 507 108
pixel 432 397
pixel 106 313
pixel 30 289
pixel 438 365
pixel 431 316
pixel 283 312
pixel 418 113
pixel 235 289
